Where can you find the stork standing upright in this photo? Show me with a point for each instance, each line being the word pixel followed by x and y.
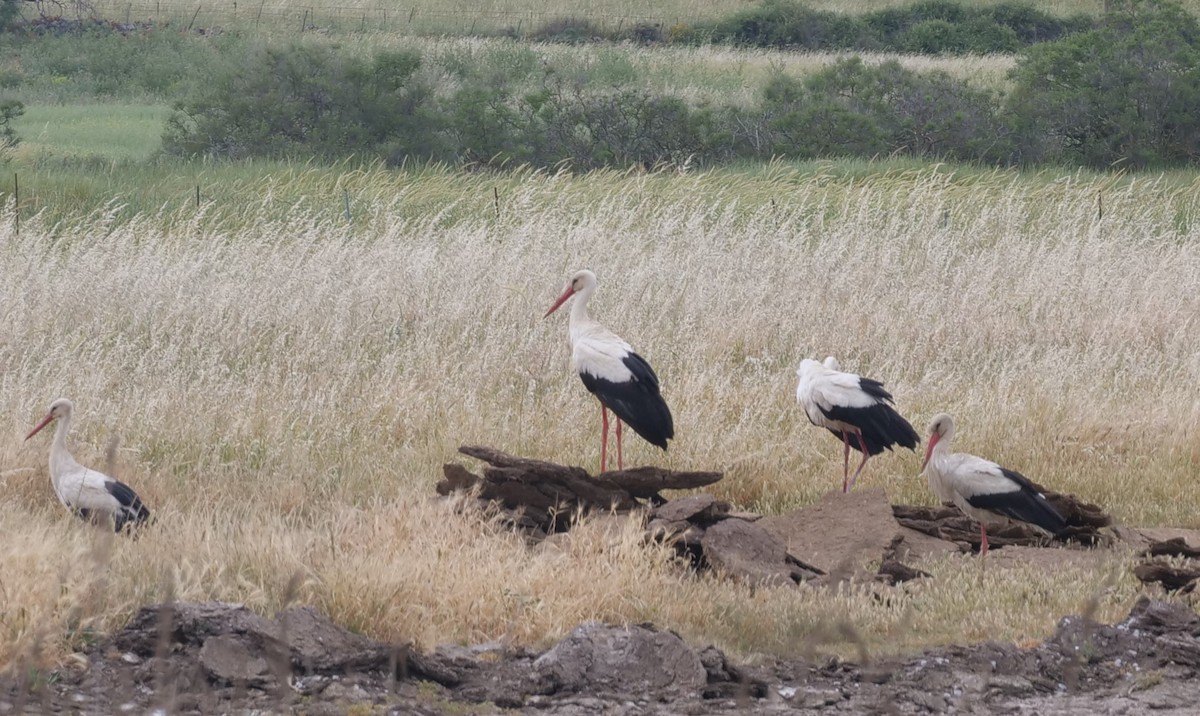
pixel 847 404
pixel 91 495
pixel 622 380
pixel 981 488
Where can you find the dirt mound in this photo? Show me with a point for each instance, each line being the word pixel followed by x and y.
pixel 215 657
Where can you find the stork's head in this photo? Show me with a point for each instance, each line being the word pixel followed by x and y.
pixel 940 428
pixel 807 366
pixel 581 281
pixel 61 408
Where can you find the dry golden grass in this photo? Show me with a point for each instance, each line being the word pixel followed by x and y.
pixel 285 389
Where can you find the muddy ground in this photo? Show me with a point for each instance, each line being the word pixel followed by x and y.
pixel 222 658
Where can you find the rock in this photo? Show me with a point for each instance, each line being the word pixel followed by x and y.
pixel 635 659
pixel 841 533
pixel 1176 546
pixel 1173 577
pixel 744 550
pixel 895 572
pixel 1009 685
pixel 1159 617
pixel 300 639
pixel 697 509
pixel 318 645
pixel 188 624
pixel 915 546
pixel 228 660
pixel 662 530
pixel 747 516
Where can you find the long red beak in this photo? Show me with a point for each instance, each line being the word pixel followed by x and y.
pixel 561 300
pixel 45 421
pixel 933 440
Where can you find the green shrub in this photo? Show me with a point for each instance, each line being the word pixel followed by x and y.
pixel 932 37
pixel 308 99
pixel 854 109
pixel 934 26
pixel 1125 93
pixel 10 10
pixel 783 23
pixel 569 30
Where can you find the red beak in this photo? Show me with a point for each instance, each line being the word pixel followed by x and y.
pixel 561 300
pixel 45 421
pixel 933 440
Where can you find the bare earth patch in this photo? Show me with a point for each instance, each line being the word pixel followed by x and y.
pixel 215 657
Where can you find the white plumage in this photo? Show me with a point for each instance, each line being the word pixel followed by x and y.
pixel 847 404
pixel 981 488
pixel 90 494
pixel 620 379
pixel 597 351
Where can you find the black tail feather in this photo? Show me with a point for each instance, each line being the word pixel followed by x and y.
pixel 882 427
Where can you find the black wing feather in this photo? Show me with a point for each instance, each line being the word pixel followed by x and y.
pixel 637 401
pixel 1025 504
pixel 132 511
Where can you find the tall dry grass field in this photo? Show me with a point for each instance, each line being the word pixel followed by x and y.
pixel 284 393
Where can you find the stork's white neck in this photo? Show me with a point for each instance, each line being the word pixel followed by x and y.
pixel 579 310
pixel 60 458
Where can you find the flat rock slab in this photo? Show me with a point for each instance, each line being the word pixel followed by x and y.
pixel 701 509
pixel 1188 537
pixel 630 659
pixel 916 546
pixel 745 550
pixel 839 534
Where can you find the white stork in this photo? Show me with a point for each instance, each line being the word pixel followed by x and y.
pixel 981 488
pixel 847 404
pixel 622 380
pixel 91 495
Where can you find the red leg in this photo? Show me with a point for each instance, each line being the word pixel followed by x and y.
pixel 983 543
pixel 845 463
pixel 620 463
pixel 603 438
pixel 866 456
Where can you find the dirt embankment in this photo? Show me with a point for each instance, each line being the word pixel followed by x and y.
pixel 220 658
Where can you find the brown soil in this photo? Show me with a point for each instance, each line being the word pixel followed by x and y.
pixel 221 658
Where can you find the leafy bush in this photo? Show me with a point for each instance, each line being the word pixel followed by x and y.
pixel 855 109
pixel 1125 92
pixel 10 10
pixel 783 23
pixel 310 99
pixel 569 30
pixel 933 26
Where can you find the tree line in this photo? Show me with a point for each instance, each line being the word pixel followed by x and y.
pixel 1126 92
